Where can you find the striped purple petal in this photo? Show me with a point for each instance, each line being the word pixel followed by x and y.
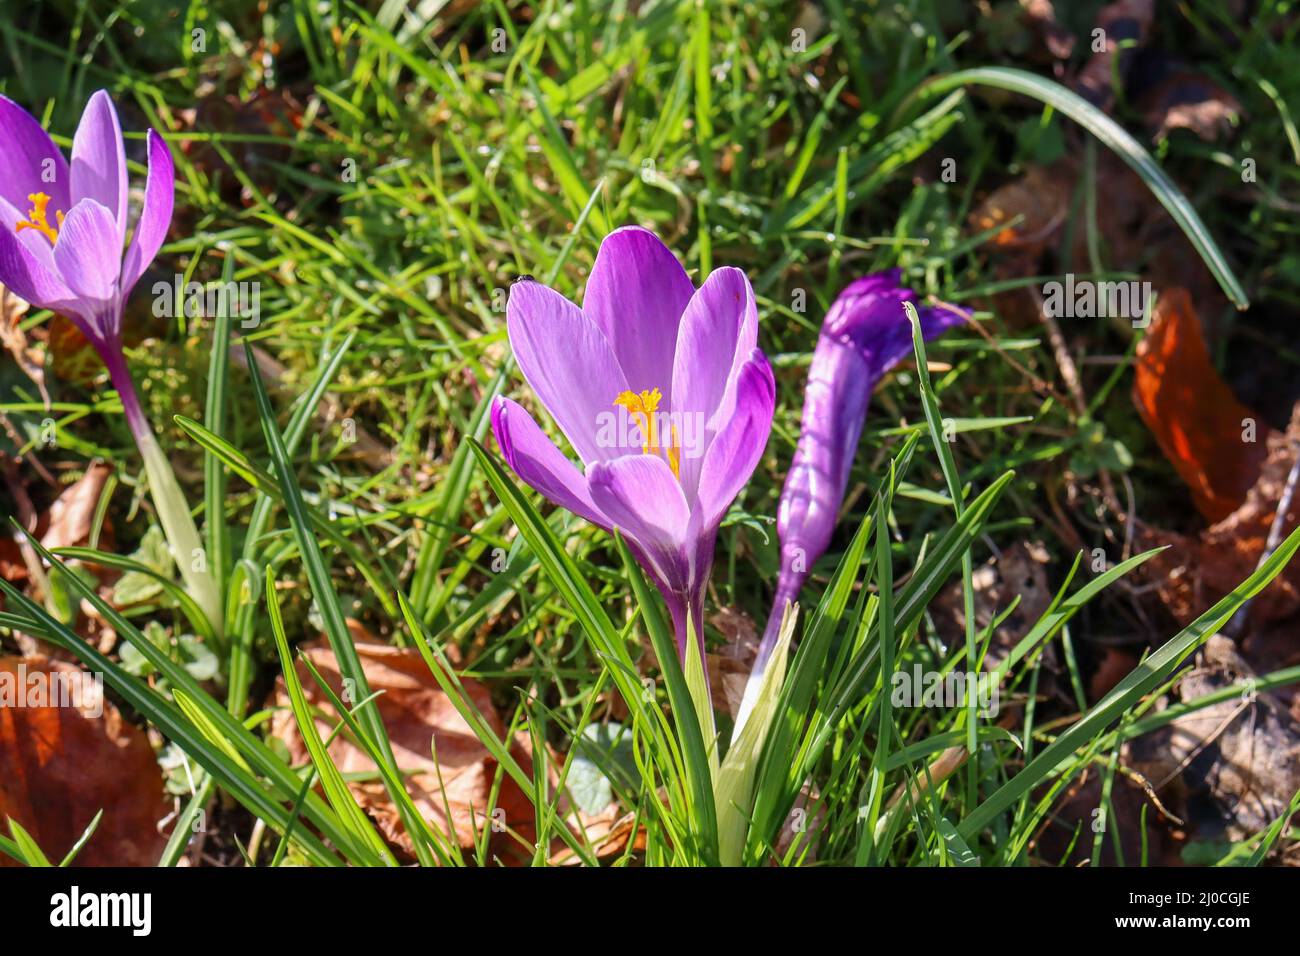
pixel 636 295
pixel 99 161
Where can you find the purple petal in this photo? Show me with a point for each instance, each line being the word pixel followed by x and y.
pixel 868 317
pixel 568 363
pixel 640 496
pixel 735 452
pixel 32 162
pixel 26 276
pixel 88 254
pixel 836 396
pixel 99 162
pixel 636 295
pixel 886 280
pixel 866 333
pixel 155 217
pixel 719 331
pixel 538 462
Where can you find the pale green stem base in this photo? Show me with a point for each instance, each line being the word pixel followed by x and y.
pixel 174 513
pixel 168 499
pixel 733 784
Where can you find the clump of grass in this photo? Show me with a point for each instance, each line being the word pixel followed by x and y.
pixel 428 162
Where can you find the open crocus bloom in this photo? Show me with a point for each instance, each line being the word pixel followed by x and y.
pixel 63 247
pixel 661 391
pixel 63 226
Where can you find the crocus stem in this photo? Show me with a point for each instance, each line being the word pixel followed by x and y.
pixel 169 500
pixel 788 586
pixel 787 593
pixel 688 621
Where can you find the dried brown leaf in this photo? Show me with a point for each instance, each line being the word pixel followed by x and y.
pixel 60 765
pixel 72 514
pixel 14 341
pixel 1199 569
pixel 1241 757
pixel 418 716
pixel 1215 443
pixel 1187 100
pixel 729 667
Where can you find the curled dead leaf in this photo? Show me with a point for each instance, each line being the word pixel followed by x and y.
pixel 1028 211
pixel 1187 100
pixel 1239 758
pixel 1041 16
pixel 1215 443
pixel 13 339
pixel 610 833
pixel 1198 569
pixel 72 514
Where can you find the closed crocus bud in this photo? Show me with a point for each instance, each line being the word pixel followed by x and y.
pixel 866 333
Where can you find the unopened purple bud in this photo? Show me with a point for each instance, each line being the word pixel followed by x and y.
pixel 866 333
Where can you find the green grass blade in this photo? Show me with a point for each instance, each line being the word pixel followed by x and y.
pixel 214 417
pixel 1117 139
pixel 28 850
pixel 1147 675
pixel 367 845
pixel 322 588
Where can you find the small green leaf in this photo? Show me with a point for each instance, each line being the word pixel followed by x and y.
pixel 136 587
pixel 29 851
pixel 607 746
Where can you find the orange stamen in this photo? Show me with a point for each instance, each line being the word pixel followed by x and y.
pixel 644 406
pixel 36 218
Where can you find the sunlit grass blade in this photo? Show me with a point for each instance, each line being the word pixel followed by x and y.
pixel 574 588
pixel 214 417
pixel 269 486
pixel 1115 138
pixel 1140 681
pixel 24 848
pixel 166 716
pixel 429 843
pixel 451 685
pixel 322 589
pixel 367 845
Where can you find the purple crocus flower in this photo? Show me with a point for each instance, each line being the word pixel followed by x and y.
pixel 866 333
pixel 663 394
pixel 64 226
pixel 63 229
